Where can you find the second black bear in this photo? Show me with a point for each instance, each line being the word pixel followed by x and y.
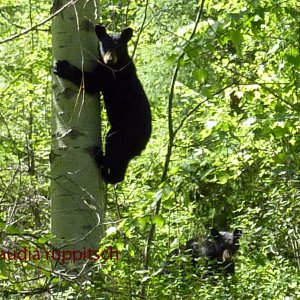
pixel 217 250
pixel 126 103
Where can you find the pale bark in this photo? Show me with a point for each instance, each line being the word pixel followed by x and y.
pixel 77 192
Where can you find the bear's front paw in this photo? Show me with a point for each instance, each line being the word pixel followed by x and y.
pixel 62 68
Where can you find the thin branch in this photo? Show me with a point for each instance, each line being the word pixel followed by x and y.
pixel 170 144
pixel 141 29
pixel 263 86
pixel 24 32
pixel 193 110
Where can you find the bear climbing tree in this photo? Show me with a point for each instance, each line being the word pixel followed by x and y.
pixel 125 100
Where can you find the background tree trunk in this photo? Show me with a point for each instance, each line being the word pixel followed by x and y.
pixel 77 192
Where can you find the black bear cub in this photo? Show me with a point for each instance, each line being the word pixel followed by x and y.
pixel 126 103
pixel 217 250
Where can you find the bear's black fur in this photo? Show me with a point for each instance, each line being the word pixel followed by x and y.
pixel 126 103
pixel 217 250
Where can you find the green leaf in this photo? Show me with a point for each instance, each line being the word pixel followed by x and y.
pixel 2 265
pixel 236 37
pixel 200 75
pixel 144 221
pixel 294 60
pixel 158 220
pixel 171 59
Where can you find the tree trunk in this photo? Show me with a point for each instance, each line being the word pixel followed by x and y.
pixel 77 192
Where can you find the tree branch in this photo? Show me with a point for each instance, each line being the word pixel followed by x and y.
pixel 24 32
pixel 170 143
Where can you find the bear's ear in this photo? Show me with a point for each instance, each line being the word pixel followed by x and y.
pixel 237 233
pixel 126 34
pixel 214 233
pixel 100 31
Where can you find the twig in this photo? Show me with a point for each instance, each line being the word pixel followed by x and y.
pixel 141 29
pixel 170 146
pixel 15 36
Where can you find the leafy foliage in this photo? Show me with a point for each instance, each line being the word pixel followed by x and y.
pixel 233 149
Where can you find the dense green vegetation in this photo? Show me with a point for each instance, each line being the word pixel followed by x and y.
pixel 223 83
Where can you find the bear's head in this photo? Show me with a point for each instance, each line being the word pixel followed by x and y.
pixel 222 245
pixel 113 47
